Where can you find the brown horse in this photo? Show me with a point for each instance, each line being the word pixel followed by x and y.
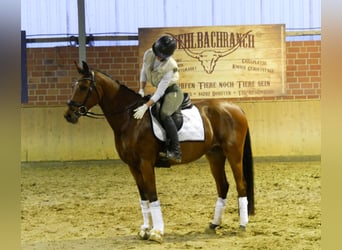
pixel 226 137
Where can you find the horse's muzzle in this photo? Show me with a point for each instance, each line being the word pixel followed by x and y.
pixel 71 116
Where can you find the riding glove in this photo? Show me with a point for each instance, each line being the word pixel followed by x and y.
pixel 141 92
pixel 139 112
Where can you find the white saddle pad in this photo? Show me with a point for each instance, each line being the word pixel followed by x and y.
pixel 192 129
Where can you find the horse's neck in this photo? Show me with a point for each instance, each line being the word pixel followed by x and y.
pixel 116 101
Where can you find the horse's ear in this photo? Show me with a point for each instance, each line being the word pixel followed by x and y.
pixel 79 69
pixel 86 70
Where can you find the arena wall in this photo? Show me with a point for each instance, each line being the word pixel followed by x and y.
pixel 286 126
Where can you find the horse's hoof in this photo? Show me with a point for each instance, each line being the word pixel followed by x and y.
pixel 211 229
pixel 144 234
pixel 213 226
pixel 156 235
pixel 242 232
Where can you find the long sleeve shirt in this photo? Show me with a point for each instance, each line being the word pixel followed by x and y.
pixel 160 74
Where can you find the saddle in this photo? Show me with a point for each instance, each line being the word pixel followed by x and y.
pixel 177 115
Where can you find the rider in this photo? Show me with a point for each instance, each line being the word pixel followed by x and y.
pixel 161 70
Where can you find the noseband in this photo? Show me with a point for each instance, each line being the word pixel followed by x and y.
pixel 82 110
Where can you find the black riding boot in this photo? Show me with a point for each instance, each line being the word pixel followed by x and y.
pixel 173 151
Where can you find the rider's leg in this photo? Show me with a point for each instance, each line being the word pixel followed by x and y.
pixel 173 151
pixel 171 103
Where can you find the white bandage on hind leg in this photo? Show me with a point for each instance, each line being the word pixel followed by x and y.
pixel 145 210
pixel 243 211
pixel 219 211
pixel 157 217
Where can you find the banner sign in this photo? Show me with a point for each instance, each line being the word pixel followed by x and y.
pixel 225 61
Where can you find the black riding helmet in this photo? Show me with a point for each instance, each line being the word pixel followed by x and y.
pixel 164 46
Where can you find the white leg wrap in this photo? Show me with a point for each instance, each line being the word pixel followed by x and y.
pixel 219 211
pixel 157 217
pixel 243 210
pixel 146 213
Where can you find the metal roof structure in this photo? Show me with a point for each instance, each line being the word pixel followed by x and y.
pixel 42 19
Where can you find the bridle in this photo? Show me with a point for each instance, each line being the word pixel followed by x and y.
pixel 82 110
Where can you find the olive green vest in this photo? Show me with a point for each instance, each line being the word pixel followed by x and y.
pixel 155 75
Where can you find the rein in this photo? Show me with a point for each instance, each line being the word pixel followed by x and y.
pixel 94 115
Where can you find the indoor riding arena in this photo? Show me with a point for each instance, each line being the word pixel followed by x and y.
pixel 76 192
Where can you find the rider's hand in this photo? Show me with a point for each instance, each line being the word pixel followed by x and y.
pixel 139 112
pixel 141 92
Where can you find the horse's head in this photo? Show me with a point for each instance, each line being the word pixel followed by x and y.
pixel 85 94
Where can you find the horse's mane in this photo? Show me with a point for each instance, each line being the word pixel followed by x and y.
pixel 122 85
pixel 104 73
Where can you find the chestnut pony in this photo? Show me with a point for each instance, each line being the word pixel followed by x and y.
pixel 226 137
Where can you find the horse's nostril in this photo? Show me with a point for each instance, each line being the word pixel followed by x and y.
pixel 67 116
pixel 70 117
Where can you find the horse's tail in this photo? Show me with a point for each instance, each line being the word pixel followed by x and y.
pixel 249 172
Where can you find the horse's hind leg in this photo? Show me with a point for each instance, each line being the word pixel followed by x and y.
pixel 234 155
pixel 217 166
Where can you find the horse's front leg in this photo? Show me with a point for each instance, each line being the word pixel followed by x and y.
pixel 151 211
pixel 153 224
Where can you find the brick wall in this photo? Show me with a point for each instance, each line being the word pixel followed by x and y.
pixel 303 70
pixel 51 71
